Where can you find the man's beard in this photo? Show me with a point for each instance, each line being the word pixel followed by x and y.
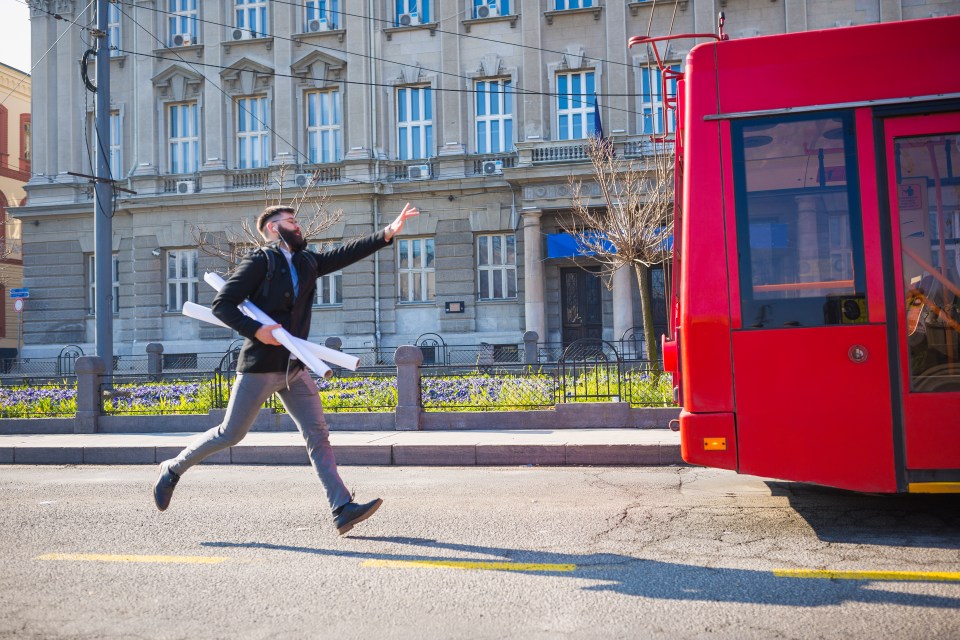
pixel 294 239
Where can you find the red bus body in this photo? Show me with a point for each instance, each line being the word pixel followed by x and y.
pixel 820 204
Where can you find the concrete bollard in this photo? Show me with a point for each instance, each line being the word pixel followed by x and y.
pixel 530 355
pixel 89 371
pixel 155 359
pixel 409 404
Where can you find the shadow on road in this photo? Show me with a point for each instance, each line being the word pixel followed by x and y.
pixel 923 521
pixel 636 576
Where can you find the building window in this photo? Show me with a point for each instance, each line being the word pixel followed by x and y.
pixel 116 156
pixel 92 284
pixel 323 126
pixel 576 102
pixel 415 262
pixel 252 17
pixel 414 123
pixel 494 115
pixel 253 137
pixel 560 5
pixel 412 12
pixel 25 131
pixel 330 286
pixel 497 266
pixel 183 137
pixel 323 10
pixel 490 8
pixel 652 103
pixel 113 28
pixel 181 278
pixel 182 21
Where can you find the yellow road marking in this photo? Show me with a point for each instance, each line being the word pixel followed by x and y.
pixel 468 564
pixel 919 576
pixel 103 557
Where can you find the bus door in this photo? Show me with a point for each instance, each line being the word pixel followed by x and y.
pixel 810 357
pixel 923 175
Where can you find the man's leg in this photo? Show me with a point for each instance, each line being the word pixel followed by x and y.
pixel 303 404
pixel 249 393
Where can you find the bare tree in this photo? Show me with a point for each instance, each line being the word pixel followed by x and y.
pixel 634 227
pixel 232 246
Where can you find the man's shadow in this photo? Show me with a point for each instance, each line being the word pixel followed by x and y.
pixel 634 576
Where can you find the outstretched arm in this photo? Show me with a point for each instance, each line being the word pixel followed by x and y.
pixel 396 226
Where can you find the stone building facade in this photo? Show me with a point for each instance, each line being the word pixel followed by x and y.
pixel 14 173
pixel 476 111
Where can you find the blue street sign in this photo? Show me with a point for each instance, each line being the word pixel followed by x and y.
pixel 20 293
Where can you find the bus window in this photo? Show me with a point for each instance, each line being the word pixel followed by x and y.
pixel 929 205
pixel 798 224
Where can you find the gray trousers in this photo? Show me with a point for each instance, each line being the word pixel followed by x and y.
pixel 302 402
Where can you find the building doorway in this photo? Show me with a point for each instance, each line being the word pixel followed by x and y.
pixel 582 308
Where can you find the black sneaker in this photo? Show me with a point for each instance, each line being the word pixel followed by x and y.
pixel 353 513
pixel 163 490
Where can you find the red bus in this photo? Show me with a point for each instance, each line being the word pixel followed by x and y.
pixel 816 332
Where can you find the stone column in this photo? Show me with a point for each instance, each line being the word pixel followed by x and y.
pixel 534 305
pixel 155 359
pixel 530 355
pixel 89 369
pixel 622 301
pixel 409 406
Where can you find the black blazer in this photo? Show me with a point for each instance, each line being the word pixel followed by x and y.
pixel 294 314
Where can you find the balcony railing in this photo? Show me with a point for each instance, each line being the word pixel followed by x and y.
pixel 561 151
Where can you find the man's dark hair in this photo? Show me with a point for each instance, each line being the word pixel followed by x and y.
pixel 270 212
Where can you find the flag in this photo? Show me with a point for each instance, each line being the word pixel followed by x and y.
pixel 597 123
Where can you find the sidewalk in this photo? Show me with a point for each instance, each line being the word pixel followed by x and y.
pixel 598 447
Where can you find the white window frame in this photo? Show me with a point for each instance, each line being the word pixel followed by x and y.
pixel 183 137
pixel 328 10
pixel 652 104
pixel 182 20
pixel 324 126
pixel 92 284
pixel 578 105
pixel 329 286
pixel 116 145
pixel 113 28
pixel 253 132
pixel 502 5
pixel 494 110
pixel 418 272
pixel 251 15
pixel 562 5
pixel 418 7
pixel 183 282
pixel 493 269
pixel 414 122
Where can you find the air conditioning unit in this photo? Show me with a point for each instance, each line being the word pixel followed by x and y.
pixel 488 11
pixel 418 171
pixel 303 179
pixel 242 34
pixel 493 167
pixel 318 24
pixel 410 19
pixel 182 40
pixel 186 186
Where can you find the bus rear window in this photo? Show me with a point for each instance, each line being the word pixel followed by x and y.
pixel 798 221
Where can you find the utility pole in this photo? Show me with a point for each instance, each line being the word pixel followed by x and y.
pixel 103 197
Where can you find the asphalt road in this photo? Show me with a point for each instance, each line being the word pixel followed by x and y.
pixel 249 552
